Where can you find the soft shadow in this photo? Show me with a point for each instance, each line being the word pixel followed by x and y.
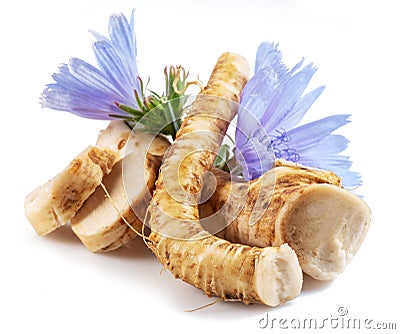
pixel 182 296
pixel 63 234
pixel 311 285
pixel 226 310
pixel 134 249
pixel 223 309
pixel 187 299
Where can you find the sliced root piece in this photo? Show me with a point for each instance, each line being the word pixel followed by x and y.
pixel 118 137
pixel 114 137
pixel 100 224
pixel 108 221
pixel 56 202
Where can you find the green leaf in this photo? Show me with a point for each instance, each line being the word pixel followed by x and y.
pixel 154 93
pixel 159 111
pixel 223 156
pixel 134 112
pixel 139 100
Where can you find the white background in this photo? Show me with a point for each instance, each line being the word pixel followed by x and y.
pixel 54 285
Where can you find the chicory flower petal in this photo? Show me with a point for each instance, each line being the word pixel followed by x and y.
pixel 276 101
pixel 90 92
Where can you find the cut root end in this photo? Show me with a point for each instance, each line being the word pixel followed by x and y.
pixel 278 275
pixel 325 225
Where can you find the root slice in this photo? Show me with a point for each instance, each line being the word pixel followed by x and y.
pixel 120 213
pixel 53 204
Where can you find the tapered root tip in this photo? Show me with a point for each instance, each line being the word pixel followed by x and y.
pixel 325 225
pixel 278 275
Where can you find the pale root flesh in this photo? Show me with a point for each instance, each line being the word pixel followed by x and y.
pixel 218 267
pixel 119 138
pixel 325 225
pixel 57 201
pixel 277 266
pixel 114 137
pixel 102 222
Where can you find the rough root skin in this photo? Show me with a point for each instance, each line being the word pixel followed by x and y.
pixel 280 183
pixel 56 202
pixel 218 267
pixel 325 241
pixel 232 271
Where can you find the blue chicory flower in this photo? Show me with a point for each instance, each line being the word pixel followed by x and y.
pixel 91 92
pixel 272 105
